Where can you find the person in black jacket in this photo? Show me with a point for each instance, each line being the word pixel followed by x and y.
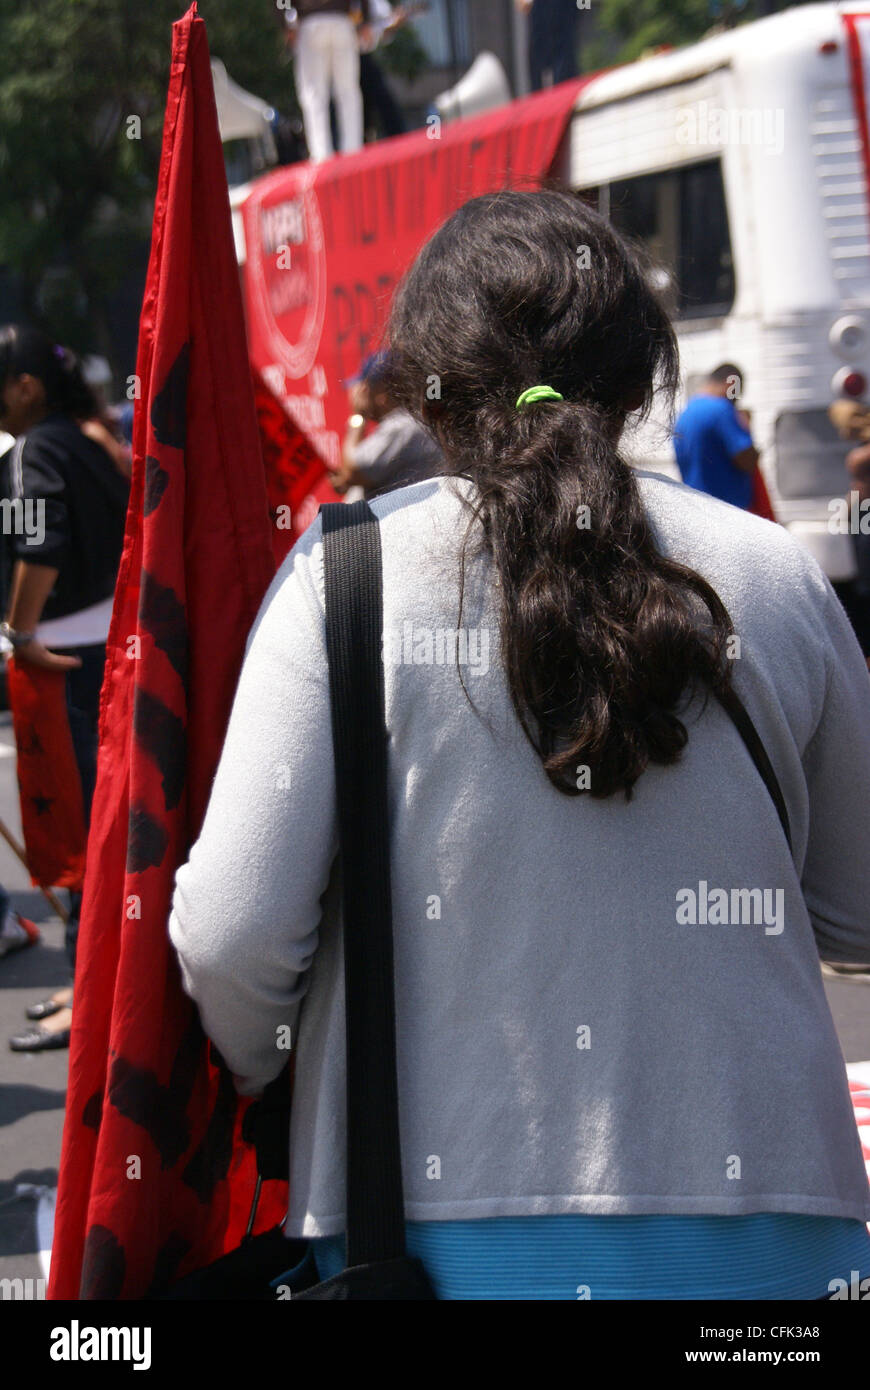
pixel 60 564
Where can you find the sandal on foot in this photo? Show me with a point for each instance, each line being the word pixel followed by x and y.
pixel 40 1040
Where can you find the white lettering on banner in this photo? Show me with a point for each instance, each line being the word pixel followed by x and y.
pixel 290 292
pixel 307 411
pixel 273 375
pixel 291 337
pixel 306 512
pixel 281 224
pixel 328 446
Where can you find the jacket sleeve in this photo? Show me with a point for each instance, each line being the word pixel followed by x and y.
pixel 379 455
pixel 836 876
pixel 44 537
pixel 246 907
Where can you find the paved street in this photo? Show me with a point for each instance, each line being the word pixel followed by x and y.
pixel 32 1086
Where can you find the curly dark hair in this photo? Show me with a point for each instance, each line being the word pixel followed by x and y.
pixel 602 636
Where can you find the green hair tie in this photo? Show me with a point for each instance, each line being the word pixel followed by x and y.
pixel 537 393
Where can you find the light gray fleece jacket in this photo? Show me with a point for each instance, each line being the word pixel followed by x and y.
pixel 601 1007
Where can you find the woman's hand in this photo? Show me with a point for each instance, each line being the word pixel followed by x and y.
pixel 359 399
pixel 36 654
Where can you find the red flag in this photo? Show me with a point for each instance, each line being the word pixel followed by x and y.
pixel 761 504
pixel 49 785
pixel 295 472
pixel 154 1181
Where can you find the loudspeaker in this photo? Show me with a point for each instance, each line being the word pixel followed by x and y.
pixel 482 88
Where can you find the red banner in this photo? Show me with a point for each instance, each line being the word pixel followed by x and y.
pixel 858 39
pixel 49 785
pixel 296 476
pixel 326 244
pixel 154 1180
pixel 761 504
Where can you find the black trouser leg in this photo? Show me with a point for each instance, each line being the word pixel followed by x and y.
pixel 379 104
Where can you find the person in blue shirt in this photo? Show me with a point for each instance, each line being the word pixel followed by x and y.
pixel 714 448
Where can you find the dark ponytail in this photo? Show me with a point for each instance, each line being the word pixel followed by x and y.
pixel 602 636
pixel 28 351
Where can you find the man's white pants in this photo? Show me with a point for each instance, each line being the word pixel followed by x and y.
pixel 327 62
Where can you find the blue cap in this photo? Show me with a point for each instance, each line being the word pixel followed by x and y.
pixel 372 369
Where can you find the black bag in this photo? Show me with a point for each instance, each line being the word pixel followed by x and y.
pixel 249 1272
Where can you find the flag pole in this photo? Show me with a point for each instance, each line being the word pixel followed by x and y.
pixel 47 892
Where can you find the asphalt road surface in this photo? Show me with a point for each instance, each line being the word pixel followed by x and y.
pixel 32 1085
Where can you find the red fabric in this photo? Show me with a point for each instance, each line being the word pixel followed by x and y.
pixel 295 472
pixel 197 559
pixel 49 785
pixel 760 503
pixel 327 243
pixel 859 96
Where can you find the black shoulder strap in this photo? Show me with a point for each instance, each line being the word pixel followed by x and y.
pixel 354 623
pixel 738 713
